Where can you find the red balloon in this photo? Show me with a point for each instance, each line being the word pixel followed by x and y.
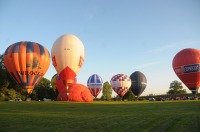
pixel 79 93
pixel 186 65
pixel 60 84
pixel 62 96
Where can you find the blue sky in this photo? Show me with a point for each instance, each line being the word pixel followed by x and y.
pixel 119 36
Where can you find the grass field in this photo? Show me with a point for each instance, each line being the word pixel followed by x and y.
pixel 174 116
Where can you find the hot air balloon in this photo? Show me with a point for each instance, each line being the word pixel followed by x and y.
pixel 61 87
pixel 27 62
pixel 95 84
pixel 79 93
pixel 68 56
pixel 186 65
pixel 62 96
pixel 120 83
pixel 53 81
pixel 138 83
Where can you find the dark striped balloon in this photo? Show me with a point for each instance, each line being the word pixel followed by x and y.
pixel 95 84
pixel 27 62
pixel 138 83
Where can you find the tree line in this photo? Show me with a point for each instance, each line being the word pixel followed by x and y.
pixel 10 90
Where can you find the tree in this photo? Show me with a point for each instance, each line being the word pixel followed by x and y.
pixel 3 82
pixel 107 91
pixel 176 88
pixel 129 96
pixel 43 90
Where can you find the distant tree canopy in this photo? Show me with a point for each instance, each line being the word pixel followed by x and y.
pixel 176 88
pixel 44 90
pixel 129 96
pixel 107 91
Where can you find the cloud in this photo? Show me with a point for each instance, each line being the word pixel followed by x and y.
pixel 163 48
pixel 174 45
pixel 148 64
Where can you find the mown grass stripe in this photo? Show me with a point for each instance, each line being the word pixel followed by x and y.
pixel 100 116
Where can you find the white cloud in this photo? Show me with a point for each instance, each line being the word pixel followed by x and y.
pixel 175 45
pixel 148 64
pixel 163 48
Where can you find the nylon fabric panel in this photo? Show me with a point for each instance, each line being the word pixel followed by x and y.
pixel 16 48
pixel 9 64
pixel 79 93
pixel 60 84
pixel 22 65
pixel 68 73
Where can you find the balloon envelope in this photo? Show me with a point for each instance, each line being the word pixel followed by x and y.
pixel 120 83
pixel 62 96
pixel 138 83
pixel 95 84
pixel 186 65
pixel 61 84
pixel 79 93
pixel 68 56
pixel 27 62
pixel 53 81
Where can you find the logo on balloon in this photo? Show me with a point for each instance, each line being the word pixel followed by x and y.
pixel 30 73
pixel 54 61
pixel 178 70
pixel 81 60
pixel 187 69
pixel 191 68
pixel 95 85
pixel 34 64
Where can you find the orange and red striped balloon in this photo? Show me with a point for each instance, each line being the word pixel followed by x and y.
pixel 27 62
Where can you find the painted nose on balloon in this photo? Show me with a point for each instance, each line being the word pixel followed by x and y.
pixel 69 74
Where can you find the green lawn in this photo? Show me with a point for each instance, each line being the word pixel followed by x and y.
pixel 136 116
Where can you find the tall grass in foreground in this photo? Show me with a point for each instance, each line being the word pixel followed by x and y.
pixel 174 116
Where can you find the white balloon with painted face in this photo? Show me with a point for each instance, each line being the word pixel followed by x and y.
pixel 68 55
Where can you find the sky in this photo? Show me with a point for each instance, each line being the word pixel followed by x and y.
pixel 119 36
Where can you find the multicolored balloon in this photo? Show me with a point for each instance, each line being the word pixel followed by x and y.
pixel 138 83
pixel 186 65
pixel 120 83
pixel 95 84
pixel 68 57
pixel 27 62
